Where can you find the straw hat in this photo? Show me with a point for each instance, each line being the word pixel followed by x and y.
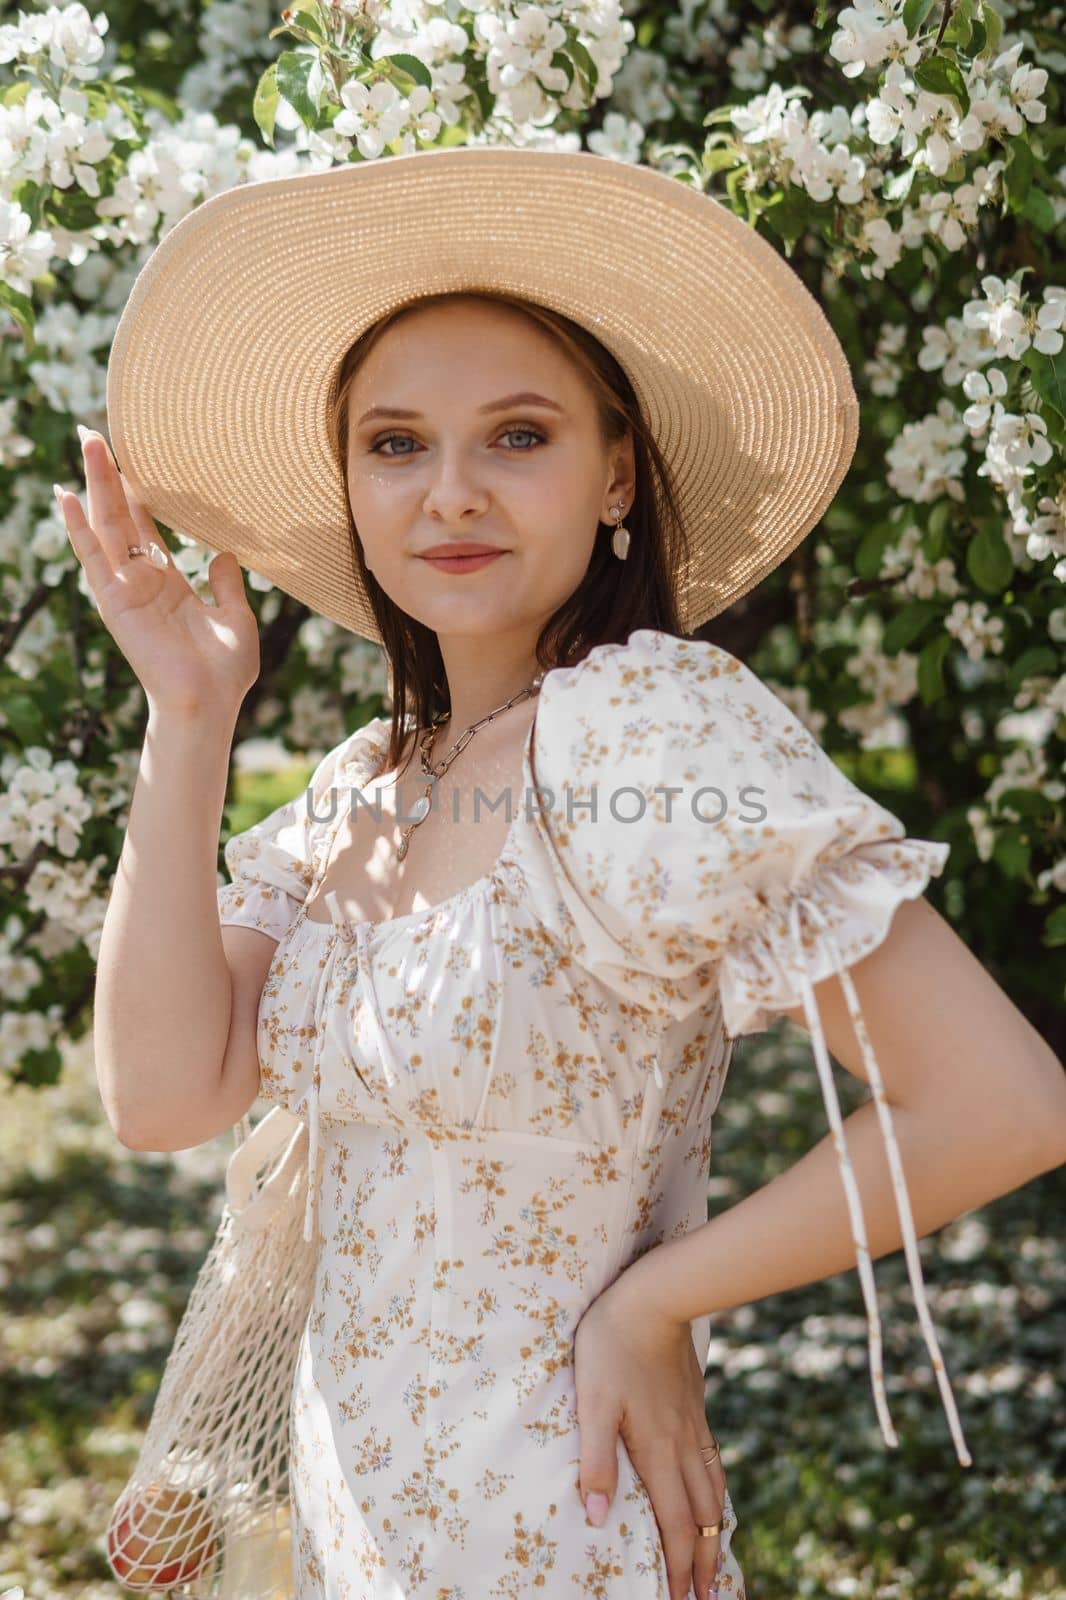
pixel 226 356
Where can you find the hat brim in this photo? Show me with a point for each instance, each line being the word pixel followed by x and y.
pixel 226 355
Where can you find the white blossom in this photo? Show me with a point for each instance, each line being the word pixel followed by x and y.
pixel 926 459
pixel 984 390
pixel 984 834
pixel 373 117
pixel 620 138
pixel 864 38
pixel 1000 315
pixel 1050 321
pixel 977 631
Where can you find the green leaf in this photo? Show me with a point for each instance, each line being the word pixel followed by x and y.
pixel 931 684
pixel 1047 375
pixel 565 64
pixel 41 1066
pixel 989 561
pixel 1018 174
pixel 483 95
pixel 155 98
pixel 726 156
pixel 993 28
pixel 1055 927
pixel 310 24
pixel 1038 210
pixel 21 309
pixel 960 26
pixel 1041 659
pixel 903 629
pixel 584 63
pixel 939 75
pixel 871 550
pixel 1012 852
pixel 265 103
pixel 23 717
pixel 294 74
pixel 1026 802
pixel 935 533
pixel 732 182
pixel 411 65
pixel 914 14
pixel 788 214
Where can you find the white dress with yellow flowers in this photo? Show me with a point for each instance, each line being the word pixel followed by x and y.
pixel 510 1098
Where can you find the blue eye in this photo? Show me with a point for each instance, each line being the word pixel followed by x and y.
pixel 533 433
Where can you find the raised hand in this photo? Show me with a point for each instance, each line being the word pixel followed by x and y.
pixel 190 657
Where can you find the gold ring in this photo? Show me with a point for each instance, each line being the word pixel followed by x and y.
pixel 709 1531
pixel 709 1453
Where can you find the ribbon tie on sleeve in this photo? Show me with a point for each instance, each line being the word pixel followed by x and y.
pixel 851 1190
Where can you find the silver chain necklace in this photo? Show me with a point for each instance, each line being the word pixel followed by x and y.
pixel 422 806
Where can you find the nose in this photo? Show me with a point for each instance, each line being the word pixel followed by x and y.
pixel 453 494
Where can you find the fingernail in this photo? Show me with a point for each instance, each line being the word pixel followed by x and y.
pixel 83 432
pixel 596 1509
pixel 58 492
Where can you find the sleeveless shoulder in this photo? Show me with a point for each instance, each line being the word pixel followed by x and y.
pixel 272 864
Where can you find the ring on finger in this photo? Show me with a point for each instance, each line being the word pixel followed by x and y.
pixel 709 1453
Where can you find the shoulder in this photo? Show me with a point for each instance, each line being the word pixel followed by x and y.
pixel 658 693
pixel 353 759
pixel 663 664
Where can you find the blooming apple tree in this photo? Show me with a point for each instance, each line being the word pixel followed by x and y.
pixel 908 161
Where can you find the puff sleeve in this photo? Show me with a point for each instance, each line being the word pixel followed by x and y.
pixel 698 842
pixel 272 863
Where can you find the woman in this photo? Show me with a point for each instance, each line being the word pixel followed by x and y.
pixel 508 1029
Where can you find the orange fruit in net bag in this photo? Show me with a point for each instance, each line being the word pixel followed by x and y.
pixel 161 1537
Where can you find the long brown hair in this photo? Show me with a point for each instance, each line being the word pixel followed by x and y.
pixel 613 597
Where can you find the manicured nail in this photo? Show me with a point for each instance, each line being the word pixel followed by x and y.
pixel 58 492
pixel 596 1509
pixel 83 432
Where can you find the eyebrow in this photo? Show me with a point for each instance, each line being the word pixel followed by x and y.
pixel 525 398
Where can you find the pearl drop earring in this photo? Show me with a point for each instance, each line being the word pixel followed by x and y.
pixel 620 536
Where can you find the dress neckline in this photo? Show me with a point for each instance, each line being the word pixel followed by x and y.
pixel 374 928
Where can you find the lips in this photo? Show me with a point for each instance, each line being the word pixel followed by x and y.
pixel 464 563
pixel 459 548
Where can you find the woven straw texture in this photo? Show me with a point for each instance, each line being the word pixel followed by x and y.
pixel 226 357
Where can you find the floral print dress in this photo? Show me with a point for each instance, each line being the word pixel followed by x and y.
pixel 510 1098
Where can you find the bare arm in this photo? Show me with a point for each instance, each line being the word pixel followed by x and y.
pixel 979 1106
pixel 166 1063
pixel 163 987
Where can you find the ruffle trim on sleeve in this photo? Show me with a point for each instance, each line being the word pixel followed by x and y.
pixel 778 965
pixel 252 904
pixel 857 895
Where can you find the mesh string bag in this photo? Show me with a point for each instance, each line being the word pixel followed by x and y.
pixel 205 1511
